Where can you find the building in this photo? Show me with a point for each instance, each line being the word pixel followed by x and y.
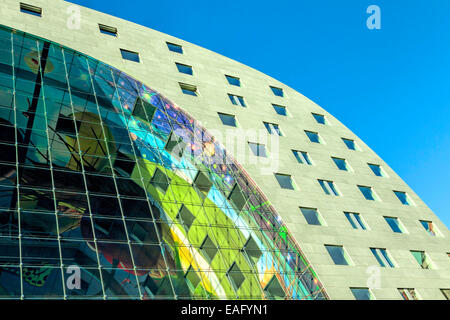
pixel 121 178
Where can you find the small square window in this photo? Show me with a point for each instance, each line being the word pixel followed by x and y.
pixel 237 100
pixel 33 10
pixel 234 81
pixel 174 47
pixel 273 128
pixel 422 259
pixel 110 31
pixel 328 187
pixel 429 227
pixel 209 249
pixel 280 110
pixel 183 68
pixel 312 216
pixel 185 217
pixel 313 136
pixel 228 119
pixel 340 163
pixel 258 149
pixel 188 89
pixel 376 169
pixel 302 157
pixel 252 250
pixel 355 220
pixel 338 254
pixel 237 197
pixel 408 294
pixel 130 55
pixel 382 257
pixel 285 181
pixel 403 197
pixel 160 181
pixel 202 182
pixel 320 118
pixel 350 144
pixel 395 224
pixel 362 293
pixel 235 276
pixel 277 91
pixel 367 192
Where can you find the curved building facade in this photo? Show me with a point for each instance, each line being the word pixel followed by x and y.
pixel 135 165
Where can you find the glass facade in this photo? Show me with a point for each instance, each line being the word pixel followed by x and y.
pixel 110 191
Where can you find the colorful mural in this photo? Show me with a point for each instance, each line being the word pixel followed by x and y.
pixel 101 175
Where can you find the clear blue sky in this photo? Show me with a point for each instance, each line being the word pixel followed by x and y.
pixel 390 86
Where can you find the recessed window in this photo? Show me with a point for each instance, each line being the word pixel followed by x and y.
pixel 189 89
pixel 185 217
pixel 130 55
pixel 395 224
pixel 110 31
pixel 422 259
pixel 367 192
pixel 280 109
pixel 209 249
pixel 340 163
pixel 429 227
pixel 403 197
pixel 446 293
pixel 160 181
pixel 273 128
pixel 237 100
pixel 313 136
pixel 235 276
pixel 227 119
pixel 202 182
pixel 258 149
pixel 320 118
pixel 408 294
pixel 274 290
pixel 285 181
pixel 362 293
pixel 175 47
pixel 192 277
pixel 350 144
pixel 234 81
pixel 302 157
pixel 33 10
pixel 338 254
pixel 252 250
pixel 355 220
pixel 376 169
pixel 328 187
pixel 382 257
pixel 183 68
pixel 312 216
pixel 277 91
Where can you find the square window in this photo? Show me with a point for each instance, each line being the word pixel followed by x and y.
pixel 320 118
pixel 350 144
pixel 252 250
pixel 382 257
pixel 237 100
pixel 273 128
pixel 429 227
pixel 277 91
pixel 227 119
pixel 188 89
pixel 282 111
pixel 174 47
pixel 395 224
pixel 422 259
pixel 340 163
pixel 312 216
pixel 328 187
pixel 160 181
pixel 338 254
pixel 408 294
pixel 185 217
pixel 362 293
pixel 209 249
pixel 183 68
pixel 202 182
pixel 376 169
pixel 130 55
pixel 403 197
pixel 302 157
pixel 274 290
pixel 33 10
pixel 355 220
pixel 234 81
pixel 237 197
pixel 235 276
pixel 110 31
pixel 313 136
pixel 144 110
pixel 367 192
pixel 285 181
pixel 258 149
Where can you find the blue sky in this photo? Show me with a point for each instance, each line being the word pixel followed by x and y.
pixel 391 86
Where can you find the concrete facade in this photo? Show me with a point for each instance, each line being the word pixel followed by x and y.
pixel 157 69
